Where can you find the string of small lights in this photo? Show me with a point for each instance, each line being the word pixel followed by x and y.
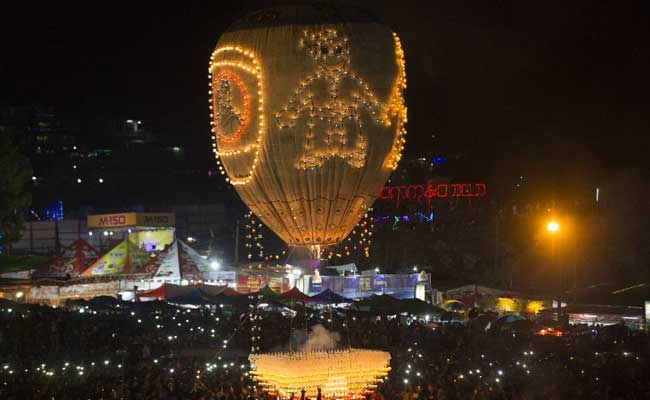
pixel 357 246
pixel 253 237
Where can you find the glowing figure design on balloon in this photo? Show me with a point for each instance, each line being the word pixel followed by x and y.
pixel 335 102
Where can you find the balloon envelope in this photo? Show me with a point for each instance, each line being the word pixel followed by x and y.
pixel 308 115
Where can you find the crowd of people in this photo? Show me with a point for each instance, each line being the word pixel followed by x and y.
pixel 158 351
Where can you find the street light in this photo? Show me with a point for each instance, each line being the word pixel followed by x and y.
pixel 553 227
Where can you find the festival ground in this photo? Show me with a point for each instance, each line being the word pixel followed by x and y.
pixel 157 351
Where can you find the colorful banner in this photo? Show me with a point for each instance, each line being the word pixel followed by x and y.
pixel 152 240
pixel 249 283
pixel 191 263
pixel 169 267
pixel 402 286
pixel 72 262
pixel 225 276
pixel 121 259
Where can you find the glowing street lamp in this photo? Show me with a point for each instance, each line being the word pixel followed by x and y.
pixel 553 227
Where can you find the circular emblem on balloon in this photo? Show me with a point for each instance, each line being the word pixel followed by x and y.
pixel 232 104
pixel 237 111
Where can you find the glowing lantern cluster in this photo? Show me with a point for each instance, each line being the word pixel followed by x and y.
pixel 339 374
pixel 308 117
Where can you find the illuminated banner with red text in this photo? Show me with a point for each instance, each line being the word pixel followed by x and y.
pixel 426 192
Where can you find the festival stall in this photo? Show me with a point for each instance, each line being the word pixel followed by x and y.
pixel 251 279
pixel 360 286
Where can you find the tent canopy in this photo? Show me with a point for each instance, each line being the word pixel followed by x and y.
pixel 266 293
pixel 419 307
pixel 177 261
pixel 195 297
pixel 170 291
pixel 329 297
pixel 453 305
pixel 380 304
pixel 509 319
pixel 74 259
pixel 125 258
pixel 295 294
pixel 166 291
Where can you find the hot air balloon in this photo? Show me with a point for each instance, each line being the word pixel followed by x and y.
pixel 308 116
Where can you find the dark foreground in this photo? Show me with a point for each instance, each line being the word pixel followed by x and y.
pixel 155 351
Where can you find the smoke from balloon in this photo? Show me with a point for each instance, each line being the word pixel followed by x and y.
pixel 321 339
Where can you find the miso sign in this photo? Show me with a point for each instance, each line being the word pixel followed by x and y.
pixel 155 219
pixel 120 220
pixel 130 219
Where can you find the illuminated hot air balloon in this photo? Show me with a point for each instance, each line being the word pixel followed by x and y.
pixel 308 115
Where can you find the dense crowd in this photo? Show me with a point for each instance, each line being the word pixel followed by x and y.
pixel 156 351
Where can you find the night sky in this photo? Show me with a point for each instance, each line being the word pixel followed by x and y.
pixel 517 86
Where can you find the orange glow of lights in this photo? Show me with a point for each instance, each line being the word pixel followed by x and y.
pixel 534 306
pixel 553 227
pixel 550 332
pixel 506 304
pixel 397 107
pixel 341 374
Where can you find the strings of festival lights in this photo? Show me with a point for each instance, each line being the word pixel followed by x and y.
pixel 397 106
pixel 253 237
pixel 357 244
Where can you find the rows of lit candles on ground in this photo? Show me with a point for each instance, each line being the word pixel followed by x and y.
pixel 347 372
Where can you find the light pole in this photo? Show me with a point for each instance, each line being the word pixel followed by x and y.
pixel 553 228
